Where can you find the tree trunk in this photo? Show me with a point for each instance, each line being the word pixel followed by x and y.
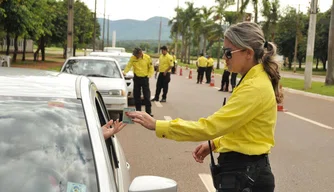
pixel 256 12
pixel 8 43
pixel 24 48
pixel 189 51
pixel 316 67
pixel 330 68
pixel 65 50
pixel 43 47
pixel 37 51
pixel 16 48
pixel 323 61
pixel 204 44
pixel 74 48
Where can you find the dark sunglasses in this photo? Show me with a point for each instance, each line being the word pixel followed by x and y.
pixel 227 52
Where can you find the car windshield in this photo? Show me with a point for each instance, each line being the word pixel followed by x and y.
pixel 123 61
pixel 93 68
pixel 45 146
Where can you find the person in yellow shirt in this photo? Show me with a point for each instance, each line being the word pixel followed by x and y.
pixel 209 69
pixel 165 66
pixel 201 68
pixel 143 70
pixel 242 131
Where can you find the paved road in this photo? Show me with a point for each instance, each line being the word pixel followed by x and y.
pixel 302 159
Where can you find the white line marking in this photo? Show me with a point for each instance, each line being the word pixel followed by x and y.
pixel 207 180
pixel 168 118
pixel 309 120
pixel 158 104
pixel 217 88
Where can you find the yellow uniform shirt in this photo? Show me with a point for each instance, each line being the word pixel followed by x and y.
pixel 210 62
pixel 165 61
pixel 202 61
pixel 142 67
pixel 246 124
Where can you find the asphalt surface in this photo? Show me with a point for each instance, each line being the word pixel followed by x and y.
pixel 301 160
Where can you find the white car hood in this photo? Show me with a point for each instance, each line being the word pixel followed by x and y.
pixel 108 83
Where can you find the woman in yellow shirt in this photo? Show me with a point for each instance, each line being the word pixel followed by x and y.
pixel 242 131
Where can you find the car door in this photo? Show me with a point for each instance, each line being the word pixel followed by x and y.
pixel 119 165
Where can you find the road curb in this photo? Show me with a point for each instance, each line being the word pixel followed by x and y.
pixel 308 94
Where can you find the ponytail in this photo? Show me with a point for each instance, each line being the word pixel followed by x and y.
pixel 271 67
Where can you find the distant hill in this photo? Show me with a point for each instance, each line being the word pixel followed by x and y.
pixel 129 29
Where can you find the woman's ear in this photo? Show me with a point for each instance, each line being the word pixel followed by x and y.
pixel 250 54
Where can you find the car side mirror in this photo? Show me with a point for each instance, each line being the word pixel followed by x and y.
pixel 153 183
pixel 129 76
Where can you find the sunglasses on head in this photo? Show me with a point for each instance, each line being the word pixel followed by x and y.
pixel 227 52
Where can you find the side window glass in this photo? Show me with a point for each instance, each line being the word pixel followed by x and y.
pixel 109 142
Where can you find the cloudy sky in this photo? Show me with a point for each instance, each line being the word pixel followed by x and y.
pixel 145 9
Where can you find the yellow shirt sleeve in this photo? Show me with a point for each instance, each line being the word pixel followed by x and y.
pixel 129 65
pixel 242 107
pixel 151 68
pixel 171 63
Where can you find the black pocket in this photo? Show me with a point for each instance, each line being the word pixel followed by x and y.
pixel 232 181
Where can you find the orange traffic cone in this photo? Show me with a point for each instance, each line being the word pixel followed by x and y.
pixel 212 82
pixel 180 71
pixel 190 74
pixel 280 106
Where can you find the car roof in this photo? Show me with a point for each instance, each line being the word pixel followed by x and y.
pixel 92 58
pixel 122 54
pixel 37 83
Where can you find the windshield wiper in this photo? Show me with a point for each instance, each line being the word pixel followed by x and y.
pixel 97 75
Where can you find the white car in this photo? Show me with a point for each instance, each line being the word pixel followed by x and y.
pixel 122 59
pixel 106 74
pixel 51 137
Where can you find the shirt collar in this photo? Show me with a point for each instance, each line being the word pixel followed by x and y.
pixel 252 72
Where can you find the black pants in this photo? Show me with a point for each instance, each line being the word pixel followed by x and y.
pixel 233 80
pixel 256 167
pixel 200 72
pixel 162 83
pixel 225 80
pixel 142 83
pixel 208 74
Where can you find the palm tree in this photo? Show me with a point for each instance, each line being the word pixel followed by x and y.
pixel 218 28
pixel 270 12
pixel 206 15
pixel 175 24
pixel 330 67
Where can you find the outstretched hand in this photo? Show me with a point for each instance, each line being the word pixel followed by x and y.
pixel 109 130
pixel 142 118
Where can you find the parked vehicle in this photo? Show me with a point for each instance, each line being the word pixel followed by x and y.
pixel 106 74
pixel 122 59
pixel 51 137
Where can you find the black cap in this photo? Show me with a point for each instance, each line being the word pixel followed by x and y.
pixel 136 51
pixel 163 48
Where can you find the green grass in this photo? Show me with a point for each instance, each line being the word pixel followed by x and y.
pixel 315 71
pixel 54 68
pixel 317 87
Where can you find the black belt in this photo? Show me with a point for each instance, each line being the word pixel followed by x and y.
pixel 140 77
pixel 234 157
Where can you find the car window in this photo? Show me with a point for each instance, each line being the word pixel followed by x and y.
pixel 123 61
pixel 45 146
pixel 93 68
pixel 103 117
